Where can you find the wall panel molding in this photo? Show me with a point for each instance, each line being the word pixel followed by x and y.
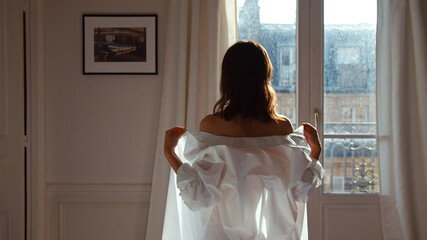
pixel 108 208
pixel 4 225
pixel 3 70
pixel 99 187
pixel 118 220
pixel 351 221
pixel 4 173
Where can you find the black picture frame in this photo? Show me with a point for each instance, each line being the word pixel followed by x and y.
pixel 119 44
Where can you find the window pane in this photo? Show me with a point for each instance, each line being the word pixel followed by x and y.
pixel 349 95
pixel 272 23
pixel 349 67
pixel 351 166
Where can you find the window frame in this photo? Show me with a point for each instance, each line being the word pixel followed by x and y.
pixel 310 38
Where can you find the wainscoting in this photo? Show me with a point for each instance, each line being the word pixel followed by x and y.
pixel 348 221
pixel 97 211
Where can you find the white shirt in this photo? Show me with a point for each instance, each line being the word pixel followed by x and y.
pixel 244 187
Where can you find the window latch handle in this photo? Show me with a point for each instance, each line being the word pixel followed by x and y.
pixel 316 118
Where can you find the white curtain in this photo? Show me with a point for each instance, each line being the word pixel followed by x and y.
pixel 198 34
pixel 402 117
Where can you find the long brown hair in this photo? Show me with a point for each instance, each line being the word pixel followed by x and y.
pixel 245 86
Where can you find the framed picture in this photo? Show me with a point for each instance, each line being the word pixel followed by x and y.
pixel 119 44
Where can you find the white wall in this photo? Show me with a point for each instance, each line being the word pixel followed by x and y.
pixel 101 129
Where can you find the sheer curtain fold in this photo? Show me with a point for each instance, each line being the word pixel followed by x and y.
pixel 198 34
pixel 402 115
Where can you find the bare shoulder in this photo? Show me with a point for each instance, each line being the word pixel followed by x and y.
pixel 217 125
pixel 209 122
pixel 285 125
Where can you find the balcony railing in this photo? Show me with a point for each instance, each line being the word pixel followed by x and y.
pixel 351 162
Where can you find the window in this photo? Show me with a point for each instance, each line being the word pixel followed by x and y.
pixel 350 155
pixel 328 72
pixel 348 114
pixel 287 67
pixel 348 55
pixel 349 124
pixel 354 114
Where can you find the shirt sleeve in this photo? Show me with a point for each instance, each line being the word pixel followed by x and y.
pixel 198 184
pixel 310 179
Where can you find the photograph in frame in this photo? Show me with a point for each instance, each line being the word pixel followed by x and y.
pixel 119 44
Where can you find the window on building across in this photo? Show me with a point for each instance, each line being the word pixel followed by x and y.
pixel 348 55
pixel 287 67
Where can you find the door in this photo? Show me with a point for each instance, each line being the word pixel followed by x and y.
pixel 12 152
pixel 323 53
pixel 343 106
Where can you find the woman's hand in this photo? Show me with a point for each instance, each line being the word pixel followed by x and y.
pixel 313 140
pixel 171 140
pixel 172 136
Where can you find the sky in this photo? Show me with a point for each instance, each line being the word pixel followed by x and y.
pixel 335 11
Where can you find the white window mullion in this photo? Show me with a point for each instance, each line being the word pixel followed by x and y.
pixel 303 62
pixel 309 88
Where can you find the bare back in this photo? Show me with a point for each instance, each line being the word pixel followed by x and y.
pixel 245 127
